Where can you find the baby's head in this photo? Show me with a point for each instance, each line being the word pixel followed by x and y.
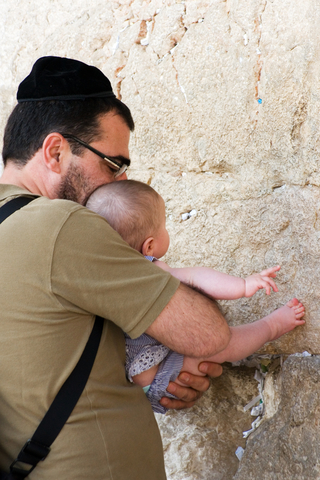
pixel 136 212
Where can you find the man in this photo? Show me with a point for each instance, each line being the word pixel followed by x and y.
pixel 61 265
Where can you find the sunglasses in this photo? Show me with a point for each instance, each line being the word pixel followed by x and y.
pixel 115 165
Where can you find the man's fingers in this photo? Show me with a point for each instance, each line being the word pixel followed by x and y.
pixel 195 386
pixel 172 403
pixel 195 382
pixel 211 369
pixel 186 396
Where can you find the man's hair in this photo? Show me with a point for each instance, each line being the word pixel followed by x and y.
pixel 30 123
pixel 130 207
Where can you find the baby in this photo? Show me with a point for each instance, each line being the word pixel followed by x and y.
pixel 137 213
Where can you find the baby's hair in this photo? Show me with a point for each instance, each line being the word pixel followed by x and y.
pixel 130 207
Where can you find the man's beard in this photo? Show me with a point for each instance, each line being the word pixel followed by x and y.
pixel 75 185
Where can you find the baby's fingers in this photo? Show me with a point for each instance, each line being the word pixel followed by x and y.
pixel 270 272
pixel 268 284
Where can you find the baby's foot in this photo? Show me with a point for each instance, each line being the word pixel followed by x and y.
pixel 285 319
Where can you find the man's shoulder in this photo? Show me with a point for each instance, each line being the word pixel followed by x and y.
pixel 43 208
pixel 8 192
pixel 58 206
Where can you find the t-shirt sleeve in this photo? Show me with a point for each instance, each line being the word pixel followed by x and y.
pixel 94 271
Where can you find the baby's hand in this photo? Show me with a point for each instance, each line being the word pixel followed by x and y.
pixel 261 280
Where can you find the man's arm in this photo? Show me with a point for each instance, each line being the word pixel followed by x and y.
pixel 191 324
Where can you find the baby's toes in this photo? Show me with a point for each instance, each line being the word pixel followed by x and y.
pixel 299 311
pixel 294 302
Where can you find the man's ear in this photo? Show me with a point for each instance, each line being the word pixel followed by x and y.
pixel 147 247
pixel 52 149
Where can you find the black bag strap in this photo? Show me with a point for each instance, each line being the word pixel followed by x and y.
pixel 13 205
pixel 38 446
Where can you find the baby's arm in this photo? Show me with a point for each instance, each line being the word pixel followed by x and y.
pixel 220 285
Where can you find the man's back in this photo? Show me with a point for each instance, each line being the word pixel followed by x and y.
pixel 56 274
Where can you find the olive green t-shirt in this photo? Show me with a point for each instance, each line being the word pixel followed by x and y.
pixel 60 265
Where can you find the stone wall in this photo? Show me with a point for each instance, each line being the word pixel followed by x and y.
pixel 225 96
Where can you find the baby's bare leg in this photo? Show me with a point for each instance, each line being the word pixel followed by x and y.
pixel 245 340
pixel 190 365
pixel 145 378
pixel 285 319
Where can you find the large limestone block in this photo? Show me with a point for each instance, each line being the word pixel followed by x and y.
pixel 286 446
pixel 200 444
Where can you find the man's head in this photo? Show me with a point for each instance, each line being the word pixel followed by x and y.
pixel 137 212
pixel 72 99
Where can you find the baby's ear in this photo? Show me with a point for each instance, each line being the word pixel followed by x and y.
pixel 147 247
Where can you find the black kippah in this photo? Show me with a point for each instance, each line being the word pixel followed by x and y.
pixel 56 78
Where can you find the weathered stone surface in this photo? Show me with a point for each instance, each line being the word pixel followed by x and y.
pixel 200 443
pixel 286 446
pixel 226 100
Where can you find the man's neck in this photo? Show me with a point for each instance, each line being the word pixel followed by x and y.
pixel 13 176
pixel 23 178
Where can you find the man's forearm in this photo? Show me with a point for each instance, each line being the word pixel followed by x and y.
pixel 191 324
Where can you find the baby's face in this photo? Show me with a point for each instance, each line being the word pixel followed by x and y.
pixel 161 237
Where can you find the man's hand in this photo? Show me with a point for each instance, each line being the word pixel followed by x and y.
pixel 194 388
